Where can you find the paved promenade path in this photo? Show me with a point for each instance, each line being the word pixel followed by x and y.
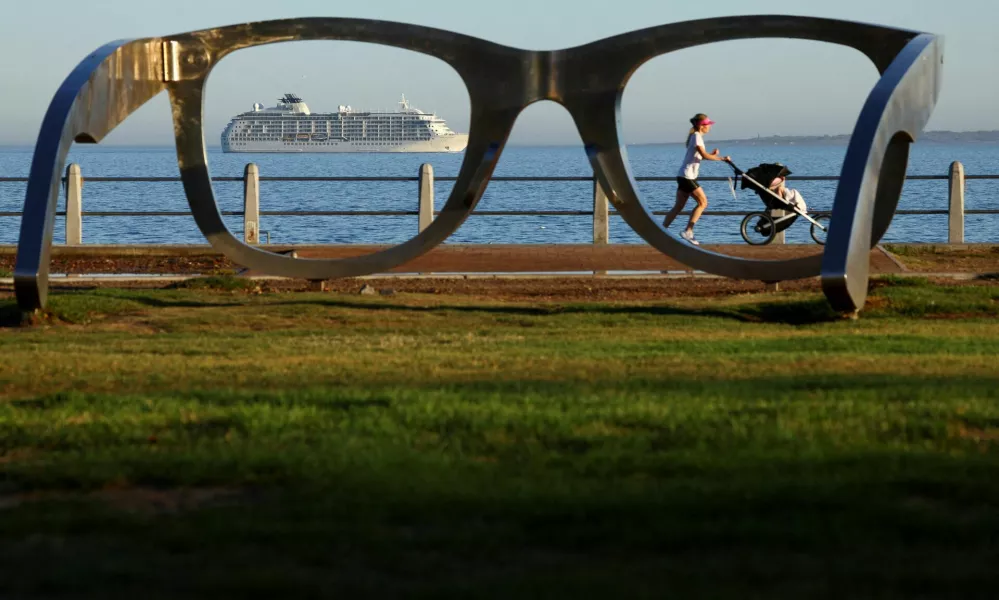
pixel 506 258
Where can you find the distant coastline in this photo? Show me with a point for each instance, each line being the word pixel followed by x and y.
pixel 935 137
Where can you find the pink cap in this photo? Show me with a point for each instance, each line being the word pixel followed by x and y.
pixel 707 122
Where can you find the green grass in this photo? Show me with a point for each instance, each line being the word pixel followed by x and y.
pixel 212 442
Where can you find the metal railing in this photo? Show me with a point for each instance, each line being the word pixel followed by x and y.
pixel 425 179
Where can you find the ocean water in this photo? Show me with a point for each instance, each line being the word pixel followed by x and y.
pixel 110 161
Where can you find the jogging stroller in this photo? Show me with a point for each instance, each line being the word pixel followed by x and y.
pixel 783 206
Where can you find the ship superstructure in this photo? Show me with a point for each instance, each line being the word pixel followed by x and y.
pixel 291 127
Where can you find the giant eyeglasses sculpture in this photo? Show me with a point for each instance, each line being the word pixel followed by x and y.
pixel 588 81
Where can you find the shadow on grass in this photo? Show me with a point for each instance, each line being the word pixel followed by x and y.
pixel 900 296
pixel 892 296
pixel 508 489
pixel 797 312
pixel 896 281
pixel 863 527
pixel 163 303
pixel 10 315
pixel 78 306
pixel 225 282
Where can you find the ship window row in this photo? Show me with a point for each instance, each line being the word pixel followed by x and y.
pixel 368 133
pixel 337 121
pixel 326 143
pixel 336 126
pixel 343 120
pixel 331 116
pixel 372 132
pixel 365 132
pixel 274 137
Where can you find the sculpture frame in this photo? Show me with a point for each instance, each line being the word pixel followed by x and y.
pixel 587 80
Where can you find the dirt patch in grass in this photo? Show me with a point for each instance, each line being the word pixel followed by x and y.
pixel 951 259
pixel 227 282
pixel 159 501
pixel 967 431
pixel 875 303
pixel 952 316
pixel 16 455
pixel 137 500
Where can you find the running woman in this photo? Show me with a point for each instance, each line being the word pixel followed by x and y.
pixel 686 178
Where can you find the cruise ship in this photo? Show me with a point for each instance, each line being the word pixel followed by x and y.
pixel 292 127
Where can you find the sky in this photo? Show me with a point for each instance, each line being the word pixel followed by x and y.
pixel 752 87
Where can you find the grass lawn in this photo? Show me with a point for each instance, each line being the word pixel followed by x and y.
pixel 204 443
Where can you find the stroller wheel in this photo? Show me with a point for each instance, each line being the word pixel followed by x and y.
pixel 758 229
pixel 819 234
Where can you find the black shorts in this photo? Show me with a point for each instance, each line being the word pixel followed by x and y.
pixel 687 185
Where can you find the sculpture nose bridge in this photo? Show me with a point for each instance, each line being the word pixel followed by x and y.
pixel 545 76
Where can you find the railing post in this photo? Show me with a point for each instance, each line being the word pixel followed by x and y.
pixel 251 204
pixel 426 201
pixel 74 205
pixel 955 217
pixel 601 225
pixel 779 236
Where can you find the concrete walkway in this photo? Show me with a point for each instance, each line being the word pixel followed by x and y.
pixel 495 259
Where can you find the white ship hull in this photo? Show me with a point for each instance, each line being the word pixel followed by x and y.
pixel 455 143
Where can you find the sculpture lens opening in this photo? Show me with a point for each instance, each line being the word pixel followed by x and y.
pixel 771 101
pixel 338 133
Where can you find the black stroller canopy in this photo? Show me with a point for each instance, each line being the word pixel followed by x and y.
pixel 764 174
pixel 758 179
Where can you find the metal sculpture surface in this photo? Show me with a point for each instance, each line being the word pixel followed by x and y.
pixel 587 80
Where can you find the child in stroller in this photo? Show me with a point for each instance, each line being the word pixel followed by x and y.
pixel 790 195
pixel 784 205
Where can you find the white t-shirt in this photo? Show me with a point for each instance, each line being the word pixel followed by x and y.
pixel 692 161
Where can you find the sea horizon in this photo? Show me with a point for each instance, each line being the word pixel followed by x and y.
pixel 927 137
